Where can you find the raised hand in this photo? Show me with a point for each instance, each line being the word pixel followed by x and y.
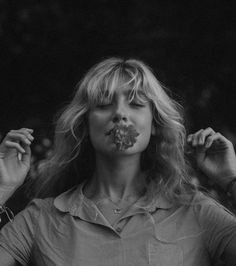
pixel 15 157
pixel 214 154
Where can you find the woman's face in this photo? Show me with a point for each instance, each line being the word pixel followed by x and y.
pixel 106 119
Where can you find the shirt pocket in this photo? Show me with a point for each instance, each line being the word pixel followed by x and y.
pixel 163 253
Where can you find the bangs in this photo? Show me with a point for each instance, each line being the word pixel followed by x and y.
pixel 102 86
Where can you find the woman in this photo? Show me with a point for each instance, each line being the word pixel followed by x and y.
pixel 116 190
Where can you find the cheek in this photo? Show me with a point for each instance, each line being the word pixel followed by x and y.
pixel 145 130
pixel 96 126
pixel 146 123
pixel 94 121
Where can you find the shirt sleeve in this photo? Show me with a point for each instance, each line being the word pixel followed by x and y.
pixel 218 224
pixel 17 237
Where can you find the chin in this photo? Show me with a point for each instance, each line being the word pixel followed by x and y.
pixel 128 151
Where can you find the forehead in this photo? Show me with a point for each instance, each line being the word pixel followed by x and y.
pixel 127 91
pixel 107 84
pixel 121 84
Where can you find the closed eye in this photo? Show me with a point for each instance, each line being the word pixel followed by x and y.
pixel 137 104
pixel 103 105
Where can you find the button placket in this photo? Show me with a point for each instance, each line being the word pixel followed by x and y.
pixel 119 225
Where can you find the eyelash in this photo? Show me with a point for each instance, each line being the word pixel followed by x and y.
pixel 132 103
pixel 103 105
pixel 137 104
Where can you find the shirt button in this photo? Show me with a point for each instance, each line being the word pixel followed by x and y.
pixel 118 230
pixel 117 211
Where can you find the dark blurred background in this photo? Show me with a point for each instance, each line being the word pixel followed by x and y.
pixel 47 46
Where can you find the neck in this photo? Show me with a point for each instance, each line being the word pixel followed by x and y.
pixel 118 179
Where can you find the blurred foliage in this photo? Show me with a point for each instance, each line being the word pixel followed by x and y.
pixel 47 46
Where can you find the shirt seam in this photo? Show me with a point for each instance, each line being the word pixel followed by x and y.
pixel 37 224
pixel 201 228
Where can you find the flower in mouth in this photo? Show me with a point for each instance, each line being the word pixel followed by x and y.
pixel 123 136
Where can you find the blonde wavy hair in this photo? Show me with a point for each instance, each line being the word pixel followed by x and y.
pixel 72 160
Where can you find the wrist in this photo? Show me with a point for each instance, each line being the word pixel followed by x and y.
pixel 225 182
pixel 6 192
pixel 230 188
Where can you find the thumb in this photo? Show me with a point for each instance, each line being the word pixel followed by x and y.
pixel 200 154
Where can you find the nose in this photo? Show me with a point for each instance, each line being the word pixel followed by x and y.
pixel 120 115
pixel 118 118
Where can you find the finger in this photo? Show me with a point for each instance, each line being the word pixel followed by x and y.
pixel 28 129
pixel 199 138
pixel 195 137
pixel 200 153
pixel 217 138
pixel 26 132
pixel 189 138
pixel 204 135
pixel 18 136
pixel 26 156
pixel 23 129
pixel 17 146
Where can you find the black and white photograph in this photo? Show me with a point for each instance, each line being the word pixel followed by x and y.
pixel 117 133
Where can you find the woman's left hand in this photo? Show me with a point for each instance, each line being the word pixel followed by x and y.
pixel 214 154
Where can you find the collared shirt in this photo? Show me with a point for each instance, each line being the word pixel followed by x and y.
pixel 70 230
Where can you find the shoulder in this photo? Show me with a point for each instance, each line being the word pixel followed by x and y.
pixel 46 203
pixel 37 207
pixel 41 205
pixel 208 211
pixel 53 206
pixel 204 208
pixel 202 201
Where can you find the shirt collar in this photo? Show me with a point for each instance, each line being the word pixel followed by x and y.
pixel 73 201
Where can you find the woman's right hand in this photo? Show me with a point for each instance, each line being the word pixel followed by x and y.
pixel 215 155
pixel 15 155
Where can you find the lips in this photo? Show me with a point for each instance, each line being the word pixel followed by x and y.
pixel 123 136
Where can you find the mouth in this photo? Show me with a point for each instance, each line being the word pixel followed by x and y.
pixel 123 136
